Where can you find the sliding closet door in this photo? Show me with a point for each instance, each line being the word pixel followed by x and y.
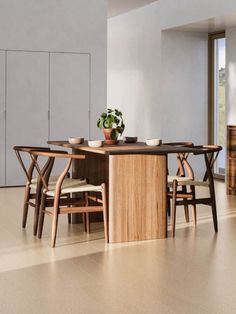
pixel 27 106
pixel 69 95
pixel 2 118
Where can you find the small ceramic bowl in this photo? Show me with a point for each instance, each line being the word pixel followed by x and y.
pixel 76 140
pixel 153 142
pixel 130 139
pixel 97 143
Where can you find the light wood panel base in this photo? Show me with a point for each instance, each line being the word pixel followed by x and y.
pixel 231 160
pixel 137 197
pixel 136 193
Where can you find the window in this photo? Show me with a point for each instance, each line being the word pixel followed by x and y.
pixel 217 84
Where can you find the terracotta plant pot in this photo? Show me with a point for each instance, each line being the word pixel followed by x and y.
pixel 110 136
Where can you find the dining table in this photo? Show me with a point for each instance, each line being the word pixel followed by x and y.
pixel 136 179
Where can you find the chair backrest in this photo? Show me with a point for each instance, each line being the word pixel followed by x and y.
pixel 184 167
pixel 28 170
pixel 210 153
pixel 45 171
pixel 183 164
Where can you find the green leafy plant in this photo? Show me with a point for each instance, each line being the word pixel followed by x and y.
pixel 112 119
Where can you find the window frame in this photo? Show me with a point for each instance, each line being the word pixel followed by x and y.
pixel 211 88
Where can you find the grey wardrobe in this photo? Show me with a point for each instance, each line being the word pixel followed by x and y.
pixel 43 96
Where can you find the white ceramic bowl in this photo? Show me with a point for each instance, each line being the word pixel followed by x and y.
pixel 76 140
pixel 153 142
pixel 97 143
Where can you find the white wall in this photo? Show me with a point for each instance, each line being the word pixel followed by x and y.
pixel 184 79
pixel 158 78
pixel 133 82
pixel 148 77
pixel 184 96
pixel 61 25
pixel 231 76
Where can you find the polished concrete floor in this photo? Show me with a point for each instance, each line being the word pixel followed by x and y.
pixel 193 273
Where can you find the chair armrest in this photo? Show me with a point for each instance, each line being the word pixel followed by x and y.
pixel 205 149
pixel 27 149
pixel 57 154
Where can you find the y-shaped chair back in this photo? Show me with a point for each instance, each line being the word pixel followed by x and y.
pixel 210 153
pixel 62 192
pixel 32 186
pixel 184 172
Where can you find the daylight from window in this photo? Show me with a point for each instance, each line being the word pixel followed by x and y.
pixel 219 106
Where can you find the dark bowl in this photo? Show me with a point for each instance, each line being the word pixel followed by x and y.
pixel 130 139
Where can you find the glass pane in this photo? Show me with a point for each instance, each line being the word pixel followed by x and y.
pixel 219 106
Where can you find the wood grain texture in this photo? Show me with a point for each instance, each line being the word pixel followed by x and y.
pixel 231 160
pixel 136 177
pixel 94 167
pixel 124 148
pixel 137 197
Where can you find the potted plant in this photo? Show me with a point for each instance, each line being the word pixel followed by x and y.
pixel 112 124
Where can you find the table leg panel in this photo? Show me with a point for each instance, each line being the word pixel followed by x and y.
pixel 137 197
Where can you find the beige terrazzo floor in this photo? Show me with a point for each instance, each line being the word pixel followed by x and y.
pixel 193 273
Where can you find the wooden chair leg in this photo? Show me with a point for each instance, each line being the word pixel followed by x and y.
pixel 212 193
pixel 36 211
pixel 87 221
pixel 214 215
pixel 173 208
pixel 68 215
pixel 26 206
pixel 186 211
pixel 213 208
pixel 84 216
pixel 194 215
pixel 194 206
pixel 105 218
pixel 69 219
pixel 168 204
pixel 84 222
pixel 54 227
pixel 41 216
pixel 56 208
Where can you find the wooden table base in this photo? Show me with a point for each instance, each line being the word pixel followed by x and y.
pixel 136 186
pixel 137 197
